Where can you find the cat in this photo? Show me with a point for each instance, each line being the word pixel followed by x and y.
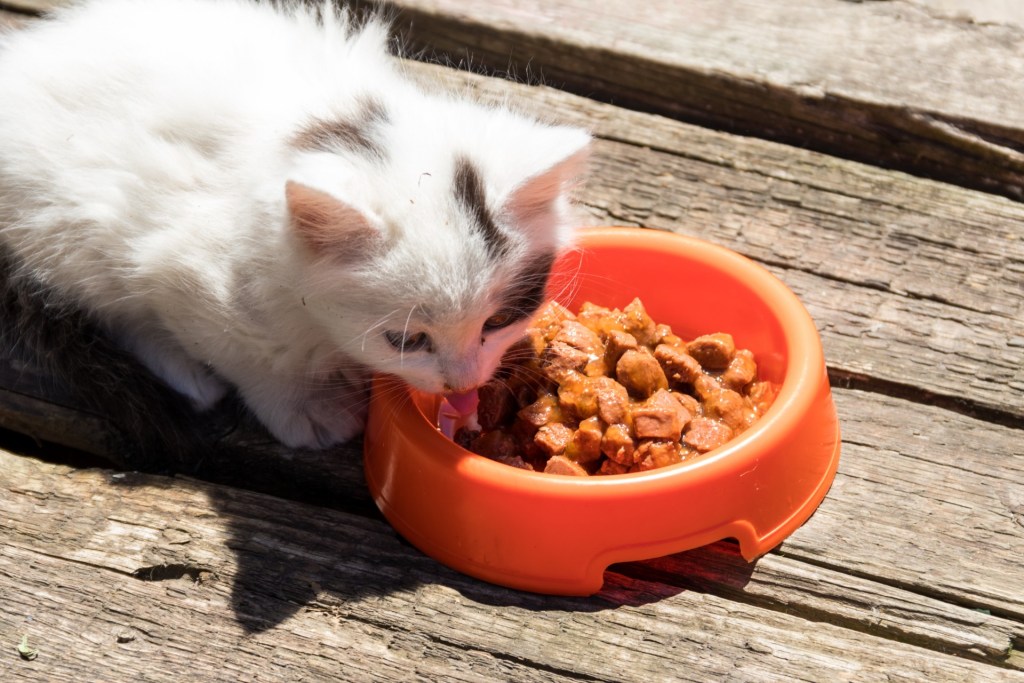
pixel 255 196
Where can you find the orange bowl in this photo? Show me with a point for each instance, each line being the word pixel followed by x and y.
pixel 557 534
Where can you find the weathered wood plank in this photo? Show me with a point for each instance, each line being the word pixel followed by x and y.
pixel 928 337
pixel 942 493
pixel 103 626
pixel 882 82
pixel 894 83
pixel 925 500
pixel 904 84
pixel 199 579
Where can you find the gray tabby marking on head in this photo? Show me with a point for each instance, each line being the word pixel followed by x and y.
pixel 357 134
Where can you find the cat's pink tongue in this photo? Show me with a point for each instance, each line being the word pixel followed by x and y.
pixel 465 402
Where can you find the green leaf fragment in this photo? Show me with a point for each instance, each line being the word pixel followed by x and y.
pixel 27 653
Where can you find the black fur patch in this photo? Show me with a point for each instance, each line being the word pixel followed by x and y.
pixel 529 289
pixel 469 190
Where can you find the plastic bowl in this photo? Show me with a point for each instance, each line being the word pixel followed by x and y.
pixel 557 534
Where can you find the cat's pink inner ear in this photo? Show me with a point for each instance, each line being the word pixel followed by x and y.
pixel 536 196
pixel 327 224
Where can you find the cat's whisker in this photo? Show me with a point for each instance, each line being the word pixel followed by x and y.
pixel 405 335
pixel 383 321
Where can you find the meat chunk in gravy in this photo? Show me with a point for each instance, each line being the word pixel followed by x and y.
pixel 610 391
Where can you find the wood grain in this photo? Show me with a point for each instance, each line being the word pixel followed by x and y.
pixel 130 577
pixel 919 491
pixel 926 499
pixel 843 261
pixel 819 594
pixel 923 485
pixel 884 82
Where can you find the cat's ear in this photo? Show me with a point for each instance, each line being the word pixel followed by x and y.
pixel 327 225
pixel 539 193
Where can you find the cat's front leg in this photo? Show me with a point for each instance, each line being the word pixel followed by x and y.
pixel 309 412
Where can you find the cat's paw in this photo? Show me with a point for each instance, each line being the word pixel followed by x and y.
pixel 323 424
pixel 312 419
pixel 204 390
pixel 196 382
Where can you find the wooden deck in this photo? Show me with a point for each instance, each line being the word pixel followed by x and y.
pixel 871 154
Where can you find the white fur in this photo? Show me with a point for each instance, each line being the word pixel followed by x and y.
pixel 144 150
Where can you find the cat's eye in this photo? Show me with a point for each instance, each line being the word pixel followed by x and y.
pixel 502 318
pixel 419 341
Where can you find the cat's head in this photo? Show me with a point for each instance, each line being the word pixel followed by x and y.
pixel 429 247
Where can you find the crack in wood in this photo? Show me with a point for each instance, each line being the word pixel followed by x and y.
pixel 394 627
pixel 171 572
pixel 892 631
pixel 911 588
pixel 848 379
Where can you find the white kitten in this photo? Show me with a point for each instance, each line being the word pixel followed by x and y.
pixel 254 195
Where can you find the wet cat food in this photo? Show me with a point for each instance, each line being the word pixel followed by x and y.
pixel 609 391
